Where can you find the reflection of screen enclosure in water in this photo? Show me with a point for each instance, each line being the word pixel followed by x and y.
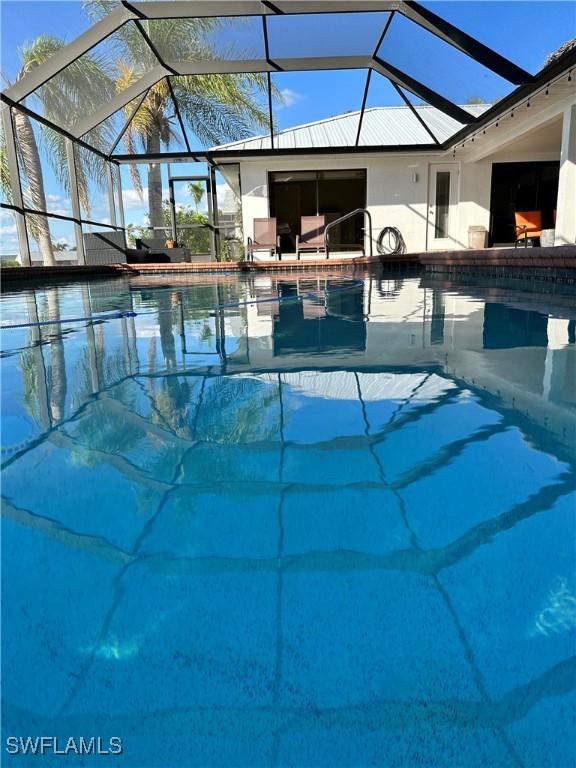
pixel 276 516
pixel 312 322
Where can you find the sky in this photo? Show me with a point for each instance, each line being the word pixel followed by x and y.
pixel 525 32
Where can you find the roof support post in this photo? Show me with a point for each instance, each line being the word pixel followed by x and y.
pixel 269 79
pixel 172 209
pixel 16 186
pixel 566 202
pixel 110 185
pixel 75 200
pixel 120 199
pixel 369 75
pixel 213 213
pixel 270 113
pixel 362 108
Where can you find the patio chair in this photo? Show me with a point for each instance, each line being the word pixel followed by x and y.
pixel 265 238
pixel 528 225
pixel 311 237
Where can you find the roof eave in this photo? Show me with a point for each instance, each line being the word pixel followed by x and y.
pixel 243 154
pixel 551 72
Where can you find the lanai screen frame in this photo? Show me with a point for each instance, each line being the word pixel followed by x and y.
pixel 137 12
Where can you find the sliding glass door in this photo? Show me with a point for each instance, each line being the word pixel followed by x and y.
pixel 294 194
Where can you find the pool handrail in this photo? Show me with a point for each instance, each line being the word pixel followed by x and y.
pixel 346 216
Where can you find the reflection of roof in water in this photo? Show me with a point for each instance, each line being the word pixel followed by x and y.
pixel 344 385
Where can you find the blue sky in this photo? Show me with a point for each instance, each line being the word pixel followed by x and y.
pixel 523 31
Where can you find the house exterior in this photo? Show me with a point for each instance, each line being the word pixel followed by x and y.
pixel 518 155
pixel 430 171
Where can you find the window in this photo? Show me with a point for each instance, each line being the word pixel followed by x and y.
pixel 442 204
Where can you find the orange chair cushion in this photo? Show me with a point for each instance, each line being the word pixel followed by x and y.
pixel 528 222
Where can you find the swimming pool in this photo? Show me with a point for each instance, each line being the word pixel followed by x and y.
pixel 290 521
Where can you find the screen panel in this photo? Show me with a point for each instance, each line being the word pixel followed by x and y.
pixel 324 105
pixel 317 34
pixel 438 65
pixel 43 166
pixel 501 22
pixel 155 126
pixel 217 109
pixel 50 239
pixel 91 81
pixel 205 39
pixel 92 175
pixel 105 135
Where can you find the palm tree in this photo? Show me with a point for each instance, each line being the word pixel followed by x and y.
pixel 196 190
pixel 84 79
pixel 216 107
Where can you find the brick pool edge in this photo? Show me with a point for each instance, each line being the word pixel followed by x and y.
pixel 557 263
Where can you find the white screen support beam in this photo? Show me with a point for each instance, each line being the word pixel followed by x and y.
pixel 170 9
pixel 85 42
pixel 119 101
pixel 75 200
pixel 12 162
pixel 120 211
pixel 111 201
pixel 181 9
pixel 213 67
pixel 304 64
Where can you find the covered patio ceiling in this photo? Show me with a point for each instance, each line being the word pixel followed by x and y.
pixel 388 41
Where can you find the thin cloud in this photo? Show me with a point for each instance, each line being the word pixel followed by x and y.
pixel 289 98
pixel 133 201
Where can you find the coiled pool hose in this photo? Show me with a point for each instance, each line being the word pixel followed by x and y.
pixel 390 242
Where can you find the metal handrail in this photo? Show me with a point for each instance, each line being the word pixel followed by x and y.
pixel 344 218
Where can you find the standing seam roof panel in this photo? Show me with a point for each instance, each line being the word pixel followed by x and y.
pixel 381 126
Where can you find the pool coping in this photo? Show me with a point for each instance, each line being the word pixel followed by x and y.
pixel 12 275
pixel 551 263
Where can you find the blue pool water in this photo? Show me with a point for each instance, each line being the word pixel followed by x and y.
pixel 299 521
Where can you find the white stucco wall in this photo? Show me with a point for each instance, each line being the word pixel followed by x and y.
pixel 393 198
pixel 398 183
pixel 474 199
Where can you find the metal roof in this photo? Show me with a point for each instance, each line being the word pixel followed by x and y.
pixel 381 126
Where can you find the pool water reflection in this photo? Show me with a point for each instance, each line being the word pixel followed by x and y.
pixel 291 521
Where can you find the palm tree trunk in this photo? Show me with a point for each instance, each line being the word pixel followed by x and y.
pixel 154 181
pixel 57 360
pixel 38 384
pixel 165 326
pixel 33 170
